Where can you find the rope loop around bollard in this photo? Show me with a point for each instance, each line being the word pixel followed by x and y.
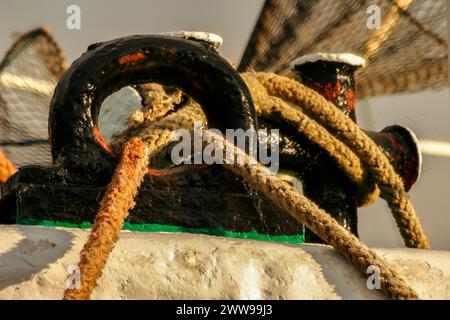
pixel 106 67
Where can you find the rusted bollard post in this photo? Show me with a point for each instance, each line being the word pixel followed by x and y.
pixel 333 76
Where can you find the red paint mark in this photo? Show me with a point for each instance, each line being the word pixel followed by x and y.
pixel 330 90
pixel 101 141
pixel 131 58
pixel 351 101
pixel 176 171
pixel 157 173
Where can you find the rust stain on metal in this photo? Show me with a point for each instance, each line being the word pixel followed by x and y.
pixel 131 58
pixel 100 140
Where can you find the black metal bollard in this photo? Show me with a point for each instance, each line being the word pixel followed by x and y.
pixel 332 75
pixel 187 197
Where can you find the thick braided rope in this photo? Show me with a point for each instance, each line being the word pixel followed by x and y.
pixel 389 182
pixel 305 212
pixel 271 107
pixel 275 107
pixel 144 125
pixel 158 134
pixel 321 223
pixel 309 214
pixel 114 207
pixel 158 101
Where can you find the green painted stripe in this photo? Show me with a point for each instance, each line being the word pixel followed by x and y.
pixel 154 227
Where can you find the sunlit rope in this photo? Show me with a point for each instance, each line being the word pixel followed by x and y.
pixel 129 174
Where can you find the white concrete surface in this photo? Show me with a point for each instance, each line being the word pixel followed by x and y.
pixel 427 113
pixel 34 262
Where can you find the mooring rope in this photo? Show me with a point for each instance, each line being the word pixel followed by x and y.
pixel 114 207
pixel 388 181
pixel 293 103
pixel 321 223
pixel 273 107
pixel 158 134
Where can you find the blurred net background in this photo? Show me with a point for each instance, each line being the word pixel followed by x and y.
pixel 28 75
pixel 408 53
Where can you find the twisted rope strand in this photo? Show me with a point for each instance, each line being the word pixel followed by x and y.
pixel 321 223
pixel 357 146
pixel 271 107
pixel 114 207
pixel 389 182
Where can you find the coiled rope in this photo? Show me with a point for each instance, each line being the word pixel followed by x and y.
pixel 388 181
pixel 321 223
pixel 292 102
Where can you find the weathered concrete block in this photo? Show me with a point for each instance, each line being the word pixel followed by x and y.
pixel 34 262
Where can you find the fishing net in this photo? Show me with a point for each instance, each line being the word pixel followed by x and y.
pixel 408 53
pixel 28 74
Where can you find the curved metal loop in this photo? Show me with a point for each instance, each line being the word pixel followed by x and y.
pixel 106 67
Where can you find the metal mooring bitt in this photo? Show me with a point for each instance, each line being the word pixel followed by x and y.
pixel 333 76
pixel 191 197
